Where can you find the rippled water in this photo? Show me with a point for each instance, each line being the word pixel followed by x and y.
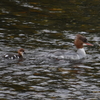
pixel 41 28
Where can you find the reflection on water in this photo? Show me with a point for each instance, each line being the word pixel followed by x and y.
pixel 41 27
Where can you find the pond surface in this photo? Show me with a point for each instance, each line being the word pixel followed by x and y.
pixel 43 27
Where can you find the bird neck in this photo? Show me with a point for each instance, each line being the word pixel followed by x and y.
pixel 20 54
pixel 81 52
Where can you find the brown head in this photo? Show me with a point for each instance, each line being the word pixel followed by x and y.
pixel 80 40
pixel 21 52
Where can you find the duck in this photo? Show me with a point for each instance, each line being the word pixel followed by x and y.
pixel 79 42
pixel 20 54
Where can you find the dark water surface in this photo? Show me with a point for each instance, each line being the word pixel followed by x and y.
pixel 42 27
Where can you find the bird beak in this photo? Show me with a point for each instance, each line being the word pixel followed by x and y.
pixel 89 44
pixel 24 52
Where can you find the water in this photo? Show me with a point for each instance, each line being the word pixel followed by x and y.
pixel 42 27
